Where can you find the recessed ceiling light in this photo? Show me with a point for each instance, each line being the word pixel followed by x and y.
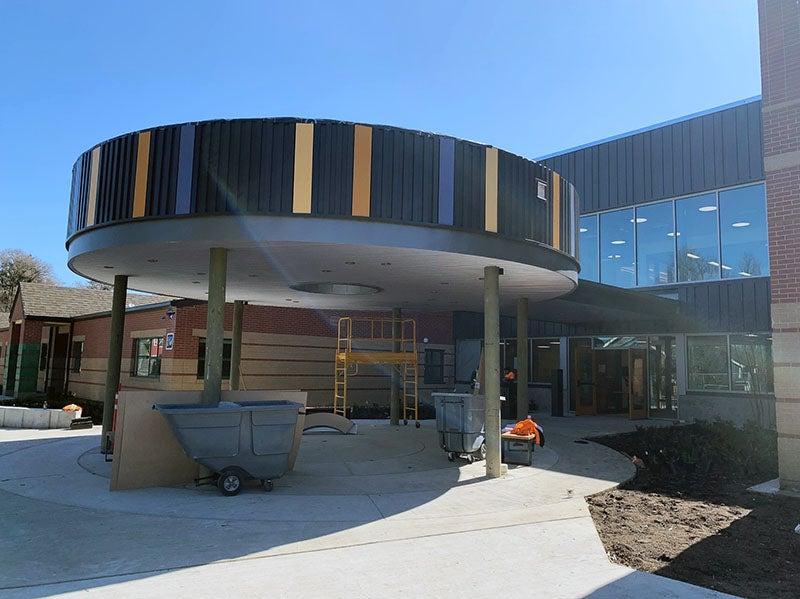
pixel 712 263
pixel 618 242
pixel 707 208
pixel 326 270
pixel 555 343
pixel 742 223
pixel 639 220
pixel 253 276
pixel 480 278
pixel 109 267
pixel 350 263
pixel 674 234
pixel 152 260
pixel 195 282
pixel 617 256
pixel 725 267
pixel 443 283
pixel 745 274
pixel 288 299
pixel 201 273
pixel 543 346
pixel 692 256
pixel 386 263
pixel 583 229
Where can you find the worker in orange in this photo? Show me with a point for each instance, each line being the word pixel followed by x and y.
pixel 528 427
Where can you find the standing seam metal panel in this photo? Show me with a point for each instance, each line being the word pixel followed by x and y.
pixel 469 183
pixel 332 173
pixel 162 179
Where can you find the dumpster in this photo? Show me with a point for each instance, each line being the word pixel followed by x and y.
pixel 236 441
pixel 460 419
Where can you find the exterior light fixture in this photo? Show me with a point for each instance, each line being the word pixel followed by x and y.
pixel 692 256
pixel 742 223
pixel 618 242
pixel 707 208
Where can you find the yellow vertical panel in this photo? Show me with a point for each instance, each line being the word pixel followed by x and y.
pixel 490 205
pixel 142 170
pixel 303 161
pixel 556 195
pixel 91 208
pixel 362 169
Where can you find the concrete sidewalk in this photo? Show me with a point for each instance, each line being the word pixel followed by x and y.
pixel 379 514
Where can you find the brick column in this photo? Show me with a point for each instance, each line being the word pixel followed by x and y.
pixel 779 29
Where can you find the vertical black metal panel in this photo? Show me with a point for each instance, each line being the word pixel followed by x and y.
pixel 691 156
pixel 470 186
pixel 405 175
pixel 232 173
pixel 162 179
pixel 332 173
pixel 115 180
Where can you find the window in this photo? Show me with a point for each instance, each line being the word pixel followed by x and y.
pixel 434 366
pixel 587 246
pixel 545 359
pixel 147 357
pixel 707 359
pixel 743 232
pixel 76 356
pixel 616 248
pixel 751 363
pixel 541 190
pixel 655 244
pixel 698 244
pixel 226 359
pixel 663 380
pixel 43 357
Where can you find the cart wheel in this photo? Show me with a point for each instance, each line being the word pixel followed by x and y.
pixel 451 456
pixel 470 458
pixel 416 424
pixel 229 483
pixel 268 486
pixel 481 452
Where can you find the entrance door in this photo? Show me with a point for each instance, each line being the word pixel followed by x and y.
pixel 58 364
pixel 638 382
pixel 583 382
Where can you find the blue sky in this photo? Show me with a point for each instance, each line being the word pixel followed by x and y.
pixel 528 76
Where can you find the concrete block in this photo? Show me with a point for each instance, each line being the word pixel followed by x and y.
pixel 789 462
pixel 35 418
pixel 13 417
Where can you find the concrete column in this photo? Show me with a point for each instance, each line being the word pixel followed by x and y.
pixel 522 358
pixel 394 400
pixel 114 354
pixel 215 325
pixel 236 344
pixel 491 359
pixel 779 28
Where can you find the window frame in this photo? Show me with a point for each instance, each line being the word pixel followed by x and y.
pixel 201 358
pixel 730 390
pixel 135 357
pixel 428 367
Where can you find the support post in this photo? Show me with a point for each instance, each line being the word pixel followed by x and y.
pixel 522 358
pixel 491 353
pixel 236 344
pixel 394 400
pixel 114 356
pixel 215 325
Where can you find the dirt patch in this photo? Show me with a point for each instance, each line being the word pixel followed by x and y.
pixel 688 520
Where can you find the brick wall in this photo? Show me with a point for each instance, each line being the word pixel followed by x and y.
pixel 779 29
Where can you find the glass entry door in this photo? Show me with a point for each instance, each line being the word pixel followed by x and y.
pixel 583 382
pixel 638 379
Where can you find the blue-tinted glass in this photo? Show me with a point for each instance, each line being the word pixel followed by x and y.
pixel 588 248
pixel 655 244
pixel 616 248
pixel 743 232
pixel 698 244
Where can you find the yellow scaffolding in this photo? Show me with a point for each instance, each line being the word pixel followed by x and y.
pixel 399 331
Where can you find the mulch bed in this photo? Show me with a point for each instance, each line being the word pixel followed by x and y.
pixel 687 514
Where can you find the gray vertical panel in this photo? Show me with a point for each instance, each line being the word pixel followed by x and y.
pixel 183 199
pixel 647 166
pixel 735 303
pixel 332 170
pixel 686 155
pixel 612 171
pixel 729 148
pixel 748 304
pixel 603 175
pixel 756 139
pixel 668 158
pixel 695 154
pixel 742 144
pixel 719 163
pixel 446 179
pixel 657 163
pixel 707 157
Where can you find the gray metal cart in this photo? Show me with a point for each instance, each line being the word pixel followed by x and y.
pixel 460 420
pixel 236 441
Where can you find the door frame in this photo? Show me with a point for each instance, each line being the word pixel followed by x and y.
pixel 633 413
pixel 581 410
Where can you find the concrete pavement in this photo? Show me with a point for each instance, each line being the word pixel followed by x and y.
pixel 382 513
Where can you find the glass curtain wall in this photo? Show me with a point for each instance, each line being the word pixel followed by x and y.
pixel 588 236
pixel 743 232
pixel 617 248
pixel 751 363
pixel 698 239
pixel 655 244
pixel 662 377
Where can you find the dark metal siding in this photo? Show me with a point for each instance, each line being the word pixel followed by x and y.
pixel 405 176
pixel 162 179
pixel 520 213
pixel 332 171
pixel 720 149
pixel 115 180
pixel 469 209
pixel 469 325
pixel 229 173
pixel 728 306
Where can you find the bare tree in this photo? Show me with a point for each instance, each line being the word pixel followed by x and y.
pixel 17 266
